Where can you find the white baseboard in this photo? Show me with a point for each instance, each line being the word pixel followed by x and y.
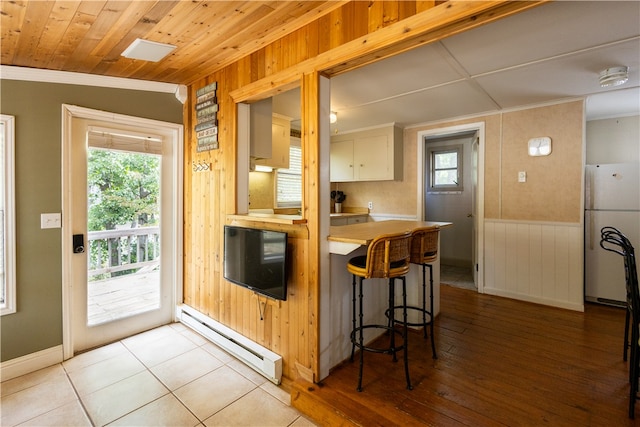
pixel 30 363
pixel 534 299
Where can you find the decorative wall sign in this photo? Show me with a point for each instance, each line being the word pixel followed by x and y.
pixel 206 128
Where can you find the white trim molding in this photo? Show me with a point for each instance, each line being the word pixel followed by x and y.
pixel 9 305
pixel 52 76
pixel 30 363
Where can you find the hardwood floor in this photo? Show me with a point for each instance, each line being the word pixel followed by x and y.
pixel 500 362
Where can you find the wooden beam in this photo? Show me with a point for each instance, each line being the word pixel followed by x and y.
pixel 423 28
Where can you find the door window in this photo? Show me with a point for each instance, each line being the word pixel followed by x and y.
pixel 445 168
pixel 123 223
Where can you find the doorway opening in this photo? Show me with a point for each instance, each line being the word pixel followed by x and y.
pixel 450 186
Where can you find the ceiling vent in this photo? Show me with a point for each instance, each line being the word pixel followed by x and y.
pixel 147 50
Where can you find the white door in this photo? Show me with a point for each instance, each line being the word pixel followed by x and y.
pixel 121 228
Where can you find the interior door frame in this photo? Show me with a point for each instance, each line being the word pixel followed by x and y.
pixel 478 197
pixel 69 113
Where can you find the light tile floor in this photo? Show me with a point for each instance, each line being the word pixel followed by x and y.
pixel 169 376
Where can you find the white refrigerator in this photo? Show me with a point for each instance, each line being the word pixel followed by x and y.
pixel 612 199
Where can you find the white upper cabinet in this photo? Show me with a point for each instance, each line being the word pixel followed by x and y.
pixel 269 136
pixel 367 155
pixel 280 141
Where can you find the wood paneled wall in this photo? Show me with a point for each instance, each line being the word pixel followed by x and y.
pixel 356 33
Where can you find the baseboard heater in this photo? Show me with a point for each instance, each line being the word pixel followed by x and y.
pixel 259 358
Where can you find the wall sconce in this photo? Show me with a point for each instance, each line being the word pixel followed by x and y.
pixel 540 146
pixel 333 117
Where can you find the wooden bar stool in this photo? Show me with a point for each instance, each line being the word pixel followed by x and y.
pixel 424 251
pixel 387 257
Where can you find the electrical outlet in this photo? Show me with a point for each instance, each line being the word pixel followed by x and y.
pixel 370 205
pixel 522 176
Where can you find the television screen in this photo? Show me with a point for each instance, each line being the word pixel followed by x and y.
pixel 256 259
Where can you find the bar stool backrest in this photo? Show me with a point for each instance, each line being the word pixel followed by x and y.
pixel 614 241
pixel 424 245
pixel 388 256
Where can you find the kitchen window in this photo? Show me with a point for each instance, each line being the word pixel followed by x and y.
pixel 289 181
pixel 446 168
pixel 7 217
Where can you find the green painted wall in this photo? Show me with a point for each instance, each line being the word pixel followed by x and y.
pixel 37 107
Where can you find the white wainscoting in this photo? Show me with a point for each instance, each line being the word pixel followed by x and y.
pixel 535 261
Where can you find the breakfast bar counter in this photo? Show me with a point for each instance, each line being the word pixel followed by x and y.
pixel 346 238
pixel 351 240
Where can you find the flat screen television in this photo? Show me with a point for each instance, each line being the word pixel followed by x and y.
pixel 257 260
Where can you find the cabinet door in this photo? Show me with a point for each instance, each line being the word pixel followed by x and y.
pixel 372 158
pixel 339 221
pixel 357 219
pixel 341 161
pixel 280 130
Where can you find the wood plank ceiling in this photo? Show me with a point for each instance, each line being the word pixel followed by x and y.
pixel 90 36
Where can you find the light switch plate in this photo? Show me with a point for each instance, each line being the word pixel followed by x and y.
pixel 50 220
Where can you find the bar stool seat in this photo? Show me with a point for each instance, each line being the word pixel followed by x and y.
pixel 387 257
pixel 424 251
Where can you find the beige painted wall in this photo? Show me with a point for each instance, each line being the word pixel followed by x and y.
pixel 553 191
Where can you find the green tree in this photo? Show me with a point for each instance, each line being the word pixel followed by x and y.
pixel 123 190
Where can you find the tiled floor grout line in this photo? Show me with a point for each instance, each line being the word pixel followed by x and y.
pixel 160 381
pixel 255 383
pixel 75 390
pixel 148 369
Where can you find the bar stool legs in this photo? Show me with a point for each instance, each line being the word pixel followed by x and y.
pixel 358 341
pixel 430 310
pixel 388 257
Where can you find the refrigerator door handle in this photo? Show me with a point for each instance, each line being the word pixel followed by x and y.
pixel 591 225
pixel 590 190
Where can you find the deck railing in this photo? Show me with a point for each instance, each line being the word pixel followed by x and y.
pixel 114 252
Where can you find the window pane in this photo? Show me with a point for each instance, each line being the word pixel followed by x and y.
pixel 289 181
pixel 446 160
pixel 446 168
pixel 445 177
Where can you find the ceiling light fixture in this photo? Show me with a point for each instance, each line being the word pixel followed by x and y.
pixel 333 117
pixel 614 76
pixel 147 50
